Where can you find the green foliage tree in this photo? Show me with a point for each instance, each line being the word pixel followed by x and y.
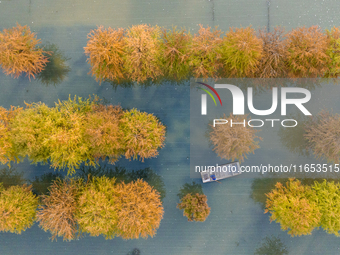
pixel 261 186
pixel 57 212
pixel 143 135
pixel 294 207
pixel 78 131
pixel 241 52
pixel 328 200
pixel 117 209
pixel 17 208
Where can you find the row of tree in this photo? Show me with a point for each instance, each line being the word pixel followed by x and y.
pixel 97 201
pixel 143 52
pixel 301 208
pixel 100 206
pixel 77 131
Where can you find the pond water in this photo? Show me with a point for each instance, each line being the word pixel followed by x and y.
pixel 236 224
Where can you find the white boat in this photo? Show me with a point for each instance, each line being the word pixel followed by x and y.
pixel 221 172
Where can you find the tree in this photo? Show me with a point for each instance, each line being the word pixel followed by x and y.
pixel 333 52
pixel 122 175
pixel 294 207
pixel 307 52
pixel 105 50
pixel 57 212
pixel 194 206
pixel 103 133
pixel 17 208
pixel 328 201
pixel 272 63
pixel 233 142
pixel 322 135
pixel 142 59
pixel 54 135
pixel 205 54
pixel 143 135
pixel 19 52
pixel 97 212
pixel 139 209
pixel 7 152
pixel 192 188
pixel 241 52
pixel 175 54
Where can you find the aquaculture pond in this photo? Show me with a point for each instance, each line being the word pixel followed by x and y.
pixel 237 223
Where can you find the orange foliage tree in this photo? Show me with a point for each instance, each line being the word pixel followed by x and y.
pixel 139 209
pixel 58 209
pixel 175 54
pixel 233 142
pixel 307 52
pixel 19 52
pixel 142 58
pixel 105 49
pixel 103 132
pixel 272 63
pixel 323 136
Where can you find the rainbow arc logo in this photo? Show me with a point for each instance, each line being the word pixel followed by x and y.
pixel 204 97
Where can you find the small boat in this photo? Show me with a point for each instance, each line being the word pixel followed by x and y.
pixel 219 172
